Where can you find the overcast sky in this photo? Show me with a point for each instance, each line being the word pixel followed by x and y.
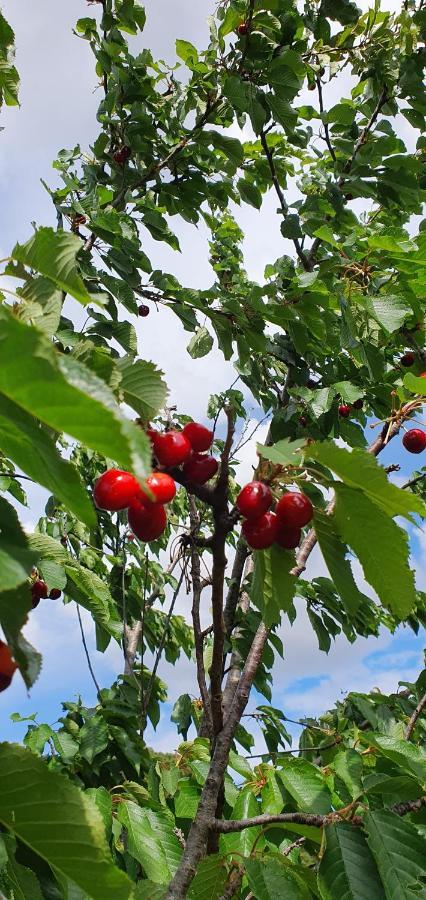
pixel 59 98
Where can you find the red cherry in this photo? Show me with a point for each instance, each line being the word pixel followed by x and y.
pixel 344 410
pixel 162 488
pixel 200 437
pixel 254 500
pixel 414 440
pixel 358 403
pixel 122 155
pixel 55 594
pixel 7 666
pixel 294 509
pixel 262 532
pixel 143 310
pixel 171 448
pixel 407 359
pixel 115 490
pixel 130 537
pixel 243 29
pixel 422 375
pixel 147 521
pixel 39 591
pixel 289 537
pixel 200 468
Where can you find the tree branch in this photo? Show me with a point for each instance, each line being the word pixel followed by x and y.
pixel 283 203
pixel 325 123
pixel 196 624
pixel 412 723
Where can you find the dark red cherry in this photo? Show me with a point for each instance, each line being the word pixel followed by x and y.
pixel 414 440
pixel 358 403
pixel 171 448
pixel 200 468
pixel 254 499
pixel 407 359
pixel 55 594
pixel 39 591
pixel 143 310
pixel 243 29
pixel 147 521
pixel 115 490
pixel 200 437
pixel 294 509
pixel 289 537
pixel 262 532
pixel 344 410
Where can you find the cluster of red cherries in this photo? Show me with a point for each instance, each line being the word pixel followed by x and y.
pixel 116 489
pixel 262 527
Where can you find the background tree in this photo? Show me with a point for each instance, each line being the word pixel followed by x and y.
pixel 331 343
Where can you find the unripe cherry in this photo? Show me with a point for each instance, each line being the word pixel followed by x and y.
pixel 200 468
pixel 254 499
pixel 162 488
pixel 414 440
pixel 344 410
pixel 8 666
pixel 171 448
pixel 200 437
pixel 147 522
pixel 261 533
pixel 294 509
pixel 115 490
pixel 289 537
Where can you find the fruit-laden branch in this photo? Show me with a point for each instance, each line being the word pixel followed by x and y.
pixel 413 719
pixel 231 826
pixel 196 624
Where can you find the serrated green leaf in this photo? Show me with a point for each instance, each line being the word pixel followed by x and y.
pixel 93 738
pixel 200 344
pixel 389 310
pixel 269 879
pixel 29 445
pixel 151 841
pixel 186 799
pixel 415 384
pixel 249 193
pixel 400 852
pixel 334 553
pixel 371 533
pixel 143 387
pixel 306 785
pixel 210 879
pixel 359 469
pixel 408 757
pixel 348 766
pixel 284 453
pixel 52 817
pixel 347 869
pixel 16 557
pixel 245 807
pixel 273 587
pixel 53 254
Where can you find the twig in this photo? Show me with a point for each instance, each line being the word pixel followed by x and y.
pixel 413 481
pixel 283 203
pixel 89 663
pixel 324 121
pixel 413 719
pixel 163 641
pixel 142 641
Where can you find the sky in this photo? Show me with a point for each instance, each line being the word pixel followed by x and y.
pixel 59 97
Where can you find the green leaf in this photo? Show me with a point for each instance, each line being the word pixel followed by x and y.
pixel 347 869
pixel 414 384
pixel 182 714
pixel 16 558
pixel 143 387
pixel 33 450
pixel 186 799
pixel 186 51
pixel 405 755
pixel 325 234
pixel 381 547
pixel 348 766
pixel 284 453
pixel 359 469
pixel 200 344
pixel 151 841
pixel 273 587
pixel 68 397
pixel 43 305
pixel 400 852
pixel 249 193
pixel 389 310
pixel 283 112
pixel 210 879
pixel 270 878
pixel 306 785
pixel 334 553
pixel 52 816
pixel 23 881
pixel 93 738
pixel 53 253
pixel 90 591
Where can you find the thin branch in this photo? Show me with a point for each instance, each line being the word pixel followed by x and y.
pixel 409 484
pixel 163 641
pixel 275 753
pixel 142 641
pixel 283 203
pixel 324 121
pixel 412 723
pixel 89 663
pixel 241 554
pixel 196 624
